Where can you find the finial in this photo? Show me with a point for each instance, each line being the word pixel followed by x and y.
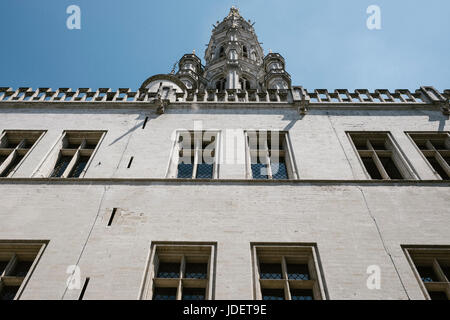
pixel 233 11
pixel 270 51
pixel 193 52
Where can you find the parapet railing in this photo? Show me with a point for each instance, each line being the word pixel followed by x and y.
pixel 423 95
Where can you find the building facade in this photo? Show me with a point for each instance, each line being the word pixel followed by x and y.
pixel 224 181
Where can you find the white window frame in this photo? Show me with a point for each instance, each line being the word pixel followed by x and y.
pixel 285 151
pixel 172 171
pixel 183 252
pixel 13 251
pixel 393 151
pixel 279 253
pixel 14 152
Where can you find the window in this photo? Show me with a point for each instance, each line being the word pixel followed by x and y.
pixel 379 155
pixel 221 52
pixel 220 84
pixel 195 155
pixel 269 155
pixel 244 52
pixel 17 261
pixel 180 272
pixel 431 266
pixel 287 272
pixel 435 147
pixel 14 146
pixel 76 150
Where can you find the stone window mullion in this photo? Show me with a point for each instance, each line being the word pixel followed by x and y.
pixel 287 291
pixel 377 161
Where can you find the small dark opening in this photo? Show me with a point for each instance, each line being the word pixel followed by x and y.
pixel 371 168
pixel 165 294
pixel 391 168
pixel 193 294
pixel 111 218
pixel 145 123
pixel 129 163
pixel 298 272
pixel 427 273
pixel 437 295
pixel 270 271
pixel 272 294
pixel 436 166
pixel 168 270
pixel 86 282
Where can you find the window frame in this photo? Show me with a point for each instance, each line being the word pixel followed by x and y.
pixel 287 154
pixel 47 166
pixel 14 249
pixel 15 151
pixel 395 153
pixel 423 255
pixel 306 253
pixel 172 170
pixel 437 155
pixel 183 251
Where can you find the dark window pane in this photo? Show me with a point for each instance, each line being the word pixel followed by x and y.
pixel 259 171
pixel 3 158
pixel 8 292
pixel 3 265
pixel 79 167
pixel 165 294
pixel 436 166
pixel 437 295
pixel 272 294
pixel 21 268
pixel 427 274
pixel 204 171
pixel 447 160
pixel 298 294
pixel 196 270
pixel 391 168
pixel 378 144
pixel 298 272
pixel 185 170
pixel 279 170
pixel 193 294
pixel 270 271
pixel 11 166
pixel 168 270
pixel 446 270
pixel 371 168
pixel 61 166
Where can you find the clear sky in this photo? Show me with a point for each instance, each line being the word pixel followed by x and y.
pixel 326 43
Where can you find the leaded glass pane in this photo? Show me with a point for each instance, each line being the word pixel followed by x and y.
pixel 61 166
pixel 270 271
pixel 272 294
pixel 165 294
pixel 185 170
pixel 168 270
pixel 196 270
pixel 302 294
pixel 193 294
pixel 259 171
pixel 427 274
pixel 279 170
pixel 11 166
pixel 298 272
pixel 79 167
pixel 204 171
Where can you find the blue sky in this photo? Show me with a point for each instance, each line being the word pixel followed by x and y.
pixel 326 43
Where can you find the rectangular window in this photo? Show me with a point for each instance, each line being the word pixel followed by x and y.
pixel 195 155
pixel 435 148
pixel 269 155
pixel 77 148
pixel 14 146
pixel 17 261
pixel 431 266
pixel 287 273
pixel 180 272
pixel 379 155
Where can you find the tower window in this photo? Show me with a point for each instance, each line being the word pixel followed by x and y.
pixel 14 146
pixel 244 52
pixel 287 273
pixel 269 155
pixel 379 155
pixel 431 267
pixel 221 52
pixel 73 158
pixel 220 84
pixel 180 272
pixel 435 148
pixel 194 155
pixel 16 263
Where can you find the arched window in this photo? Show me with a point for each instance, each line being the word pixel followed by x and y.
pixel 244 52
pixel 245 84
pixel 220 84
pixel 221 52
